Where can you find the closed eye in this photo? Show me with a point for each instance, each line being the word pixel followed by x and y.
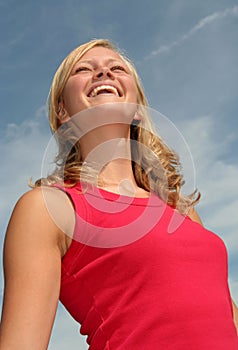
pixel 118 68
pixel 81 69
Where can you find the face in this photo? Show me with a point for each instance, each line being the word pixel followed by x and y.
pixel 100 76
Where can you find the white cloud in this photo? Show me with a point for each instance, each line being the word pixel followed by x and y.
pixel 17 40
pixel 204 22
pixel 216 178
pixel 217 181
pixel 22 152
pixel 203 148
pixel 205 167
pixel 24 145
pixel 233 11
pixel 22 149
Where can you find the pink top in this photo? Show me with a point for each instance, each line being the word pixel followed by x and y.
pixel 138 275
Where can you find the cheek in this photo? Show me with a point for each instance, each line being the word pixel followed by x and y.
pixel 133 92
pixel 72 97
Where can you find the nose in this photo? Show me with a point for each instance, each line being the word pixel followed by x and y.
pixel 103 72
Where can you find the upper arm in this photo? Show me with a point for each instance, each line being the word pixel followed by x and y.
pixel 235 315
pixel 32 271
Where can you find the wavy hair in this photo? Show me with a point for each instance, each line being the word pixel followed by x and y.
pixel 156 166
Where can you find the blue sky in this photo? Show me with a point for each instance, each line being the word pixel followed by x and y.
pixel 186 52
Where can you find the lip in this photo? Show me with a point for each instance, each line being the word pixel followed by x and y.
pixel 101 83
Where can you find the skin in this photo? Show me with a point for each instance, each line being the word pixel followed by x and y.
pixel 32 260
pixel 34 243
pixel 102 66
pixel 98 66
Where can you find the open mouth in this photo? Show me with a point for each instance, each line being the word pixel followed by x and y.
pixel 104 89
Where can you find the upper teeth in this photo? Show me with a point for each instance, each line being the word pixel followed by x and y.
pixel 109 88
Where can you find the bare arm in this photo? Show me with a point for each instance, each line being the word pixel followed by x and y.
pixel 235 315
pixel 32 268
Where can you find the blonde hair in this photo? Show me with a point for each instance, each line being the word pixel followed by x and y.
pixel 156 167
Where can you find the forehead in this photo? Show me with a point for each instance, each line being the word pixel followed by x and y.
pixel 101 52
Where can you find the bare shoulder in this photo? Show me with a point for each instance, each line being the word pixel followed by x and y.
pixel 33 247
pixel 44 196
pixel 46 212
pixel 194 216
pixel 32 197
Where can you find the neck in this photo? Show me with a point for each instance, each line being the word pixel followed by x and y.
pixel 117 176
pixel 112 162
pixel 116 172
pixel 111 159
pixel 105 142
pixel 108 153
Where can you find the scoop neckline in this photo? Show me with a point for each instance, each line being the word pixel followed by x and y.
pixel 113 196
pixel 101 189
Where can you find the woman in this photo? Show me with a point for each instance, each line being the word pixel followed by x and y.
pixel 95 234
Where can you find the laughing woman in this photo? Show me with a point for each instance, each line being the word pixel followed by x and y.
pixel 96 233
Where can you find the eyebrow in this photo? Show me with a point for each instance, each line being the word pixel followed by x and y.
pixel 109 60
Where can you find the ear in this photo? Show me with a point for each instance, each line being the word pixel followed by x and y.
pixel 137 119
pixel 62 113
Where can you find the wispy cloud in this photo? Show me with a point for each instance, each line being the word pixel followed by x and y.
pixel 210 19
pixel 22 147
pixel 16 40
pixel 204 22
pixel 219 193
pixel 216 179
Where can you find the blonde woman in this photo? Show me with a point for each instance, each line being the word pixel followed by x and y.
pixel 96 233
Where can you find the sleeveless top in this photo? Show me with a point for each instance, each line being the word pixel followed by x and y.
pixel 138 275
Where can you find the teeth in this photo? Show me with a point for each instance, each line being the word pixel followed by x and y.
pixel 108 88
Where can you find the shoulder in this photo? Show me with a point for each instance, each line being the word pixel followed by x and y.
pixel 47 212
pixel 28 205
pixel 33 247
pixel 40 195
pixel 193 215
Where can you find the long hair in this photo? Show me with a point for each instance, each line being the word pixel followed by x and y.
pixel 156 167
